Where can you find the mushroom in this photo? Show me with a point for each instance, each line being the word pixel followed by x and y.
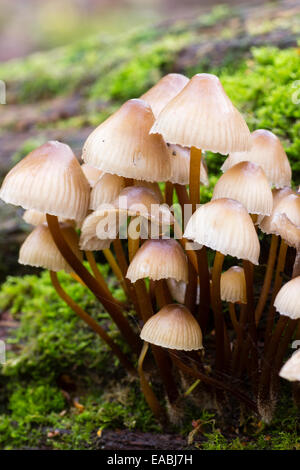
pixel 291 369
pixel 267 151
pixel 173 327
pixel 106 190
pixel 91 173
pixel 287 300
pixel 122 145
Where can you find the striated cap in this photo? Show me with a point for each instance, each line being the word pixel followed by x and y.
pixel 233 285
pixel 33 217
pixel 287 300
pixel 173 327
pixel 153 186
pixel 202 116
pixel 164 91
pixel 122 145
pixel 49 180
pixel 247 183
pixel 39 249
pixel 91 173
pixel 159 259
pixel 106 190
pixel 291 369
pixel 180 165
pixel 225 225
pixel 177 290
pixel 267 151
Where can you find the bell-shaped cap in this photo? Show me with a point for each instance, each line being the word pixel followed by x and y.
pixel 122 145
pixel 202 116
pixel 91 173
pixel 49 180
pixel 164 91
pixel 291 369
pixel 180 165
pixel 106 190
pixel 267 151
pixel 33 217
pixel 265 223
pixel 233 285
pixel 173 327
pixel 159 259
pixel 287 300
pixel 247 183
pixel 153 186
pixel 285 220
pixel 225 225
pixel 39 249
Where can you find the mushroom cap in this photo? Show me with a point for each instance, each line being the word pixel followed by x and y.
pixel 291 369
pixel 225 225
pixel 287 300
pixel 202 116
pixel 93 243
pixel 165 89
pixel 106 190
pixel 91 173
pixel 247 183
pixel 33 217
pixel 39 249
pixel 148 261
pixel 122 145
pixel 153 186
pixel 285 219
pixel 49 180
pixel 265 223
pixel 173 327
pixel 268 152
pixel 180 165
pixel 233 285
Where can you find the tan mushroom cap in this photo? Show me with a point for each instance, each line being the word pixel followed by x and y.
pixel 159 259
pixel 39 249
pixel 267 151
pixel 202 115
pixel 93 243
pixel 49 180
pixel 266 222
pixel 33 217
pixel 91 173
pixel 153 186
pixel 165 89
pixel 173 327
pixel 285 220
pixel 122 145
pixel 247 183
pixel 180 165
pixel 291 369
pixel 287 301
pixel 106 190
pixel 225 225
pixel 233 285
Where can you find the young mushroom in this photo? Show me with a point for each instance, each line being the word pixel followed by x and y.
pixel 267 151
pixel 287 300
pixel 291 369
pixel 106 190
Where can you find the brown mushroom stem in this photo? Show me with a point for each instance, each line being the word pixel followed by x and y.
pixel 276 287
pixel 191 289
pixel 162 293
pixel 92 262
pixel 194 182
pixel 115 268
pixel 237 355
pixel 92 323
pixel 268 279
pixel 296 267
pixel 234 320
pixel 183 242
pixel 217 309
pixel 106 299
pixel 249 269
pixel 169 193
pixel 204 287
pixel 183 197
pixel 145 387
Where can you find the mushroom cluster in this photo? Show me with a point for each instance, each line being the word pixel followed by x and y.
pixel 136 198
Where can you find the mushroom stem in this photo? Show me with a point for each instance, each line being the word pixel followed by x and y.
pixel 169 193
pixel 237 355
pixel 183 197
pixel 107 300
pixel 115 269
pixel 183 241
pixel 248 269
pixel 234 320
pixel 163 296
pixel 268 279
pixel 96 272
pixel 204 287
pixel 92 323
pixel 195 165
pixel 217 308
pixel 145 387
pixel 276 287
pixel 191 289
